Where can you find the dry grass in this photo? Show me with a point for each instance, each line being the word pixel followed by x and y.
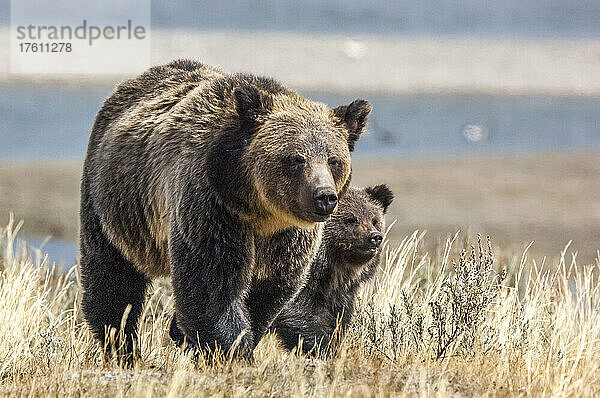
pixel 422 327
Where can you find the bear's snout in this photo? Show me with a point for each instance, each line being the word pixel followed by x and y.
pixel 325 200
pixel 376 238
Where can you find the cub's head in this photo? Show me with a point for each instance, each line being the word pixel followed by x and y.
pixel 299 152
pixel 355 232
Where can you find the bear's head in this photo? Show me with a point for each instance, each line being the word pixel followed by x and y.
pixel 298 153
pixel 355 232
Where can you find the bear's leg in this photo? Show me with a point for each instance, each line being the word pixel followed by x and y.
pixel 283 261
pixel 210 266
pixel 321 333
pixel 175 333
pixel 298 321
pixel 320 319
pixel 111 286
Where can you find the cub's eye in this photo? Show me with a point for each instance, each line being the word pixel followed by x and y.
pixel 351 220
pixel 375 222
pixel 297 161
pixel 334 162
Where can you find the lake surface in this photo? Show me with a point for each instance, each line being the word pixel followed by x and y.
pixel 55 123
pixel 507 18
pixel 60 252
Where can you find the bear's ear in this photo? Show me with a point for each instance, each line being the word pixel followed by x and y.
pixel 354 117
pixel 250 102
pixel 381 194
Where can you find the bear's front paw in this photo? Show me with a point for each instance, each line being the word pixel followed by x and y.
pixel 243 346
pixel 235 335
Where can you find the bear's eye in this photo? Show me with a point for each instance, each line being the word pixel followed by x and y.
pixel 375 222
pixel 351 220
pixel 297 161
pixel 334 162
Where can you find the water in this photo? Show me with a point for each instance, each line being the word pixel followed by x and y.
pixel 46 123
pixel 435 125
pixel 60 252
pixel 507 18
pixel 55 123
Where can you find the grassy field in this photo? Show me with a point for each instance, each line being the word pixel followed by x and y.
pixel 549 198
pixel 503 321
pixel 487 322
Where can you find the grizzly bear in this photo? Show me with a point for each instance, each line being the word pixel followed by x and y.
pixel 220 181
pixel 347 257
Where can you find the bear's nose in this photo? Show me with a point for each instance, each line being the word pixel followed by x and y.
pixel 376 238
pixel 325 200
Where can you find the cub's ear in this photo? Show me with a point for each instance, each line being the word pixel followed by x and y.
pixel 250 102
pixel 354 117
pixel 381 194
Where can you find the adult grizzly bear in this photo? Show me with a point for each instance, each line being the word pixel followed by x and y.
pixel 347 258
pixel 215 180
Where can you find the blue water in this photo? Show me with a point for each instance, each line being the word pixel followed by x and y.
pixel 55 123
pixel 506 18
pixel 52 123
pixel 61 253
pixel 435 125
pixel 481 18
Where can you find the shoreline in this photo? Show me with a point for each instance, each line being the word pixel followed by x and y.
pixel 369 64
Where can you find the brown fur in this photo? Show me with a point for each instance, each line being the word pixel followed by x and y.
pixel 347 258
pixel 209 178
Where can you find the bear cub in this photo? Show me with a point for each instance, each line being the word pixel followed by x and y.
pixel 347 257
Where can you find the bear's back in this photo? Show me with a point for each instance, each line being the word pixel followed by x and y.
pixel 154 82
